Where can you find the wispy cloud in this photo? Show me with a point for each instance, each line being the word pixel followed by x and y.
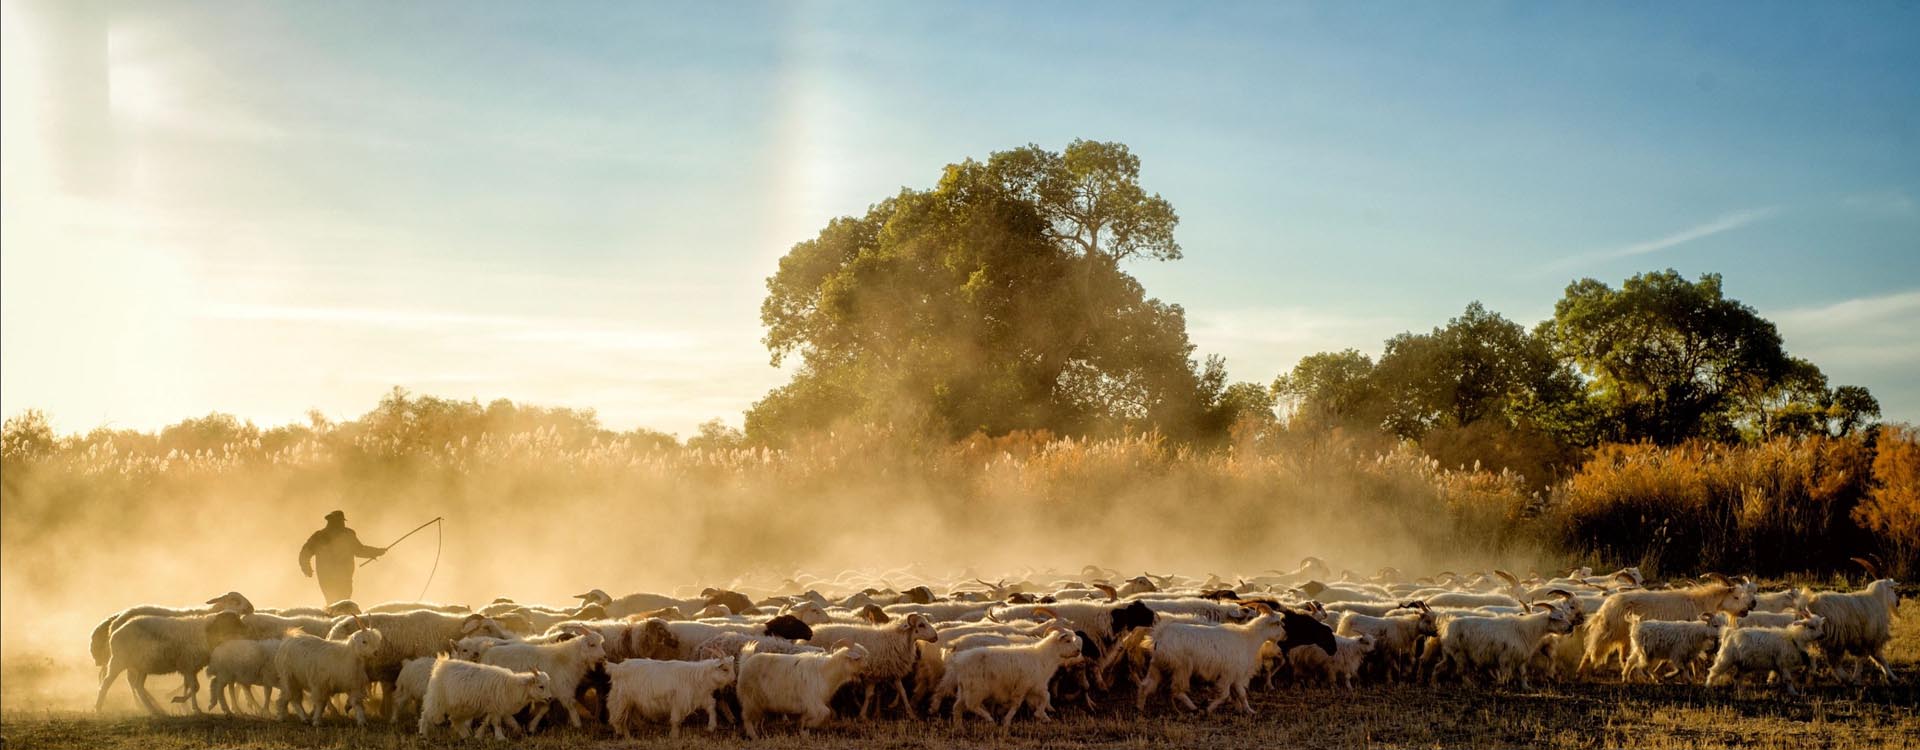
pixel 1868 340
pixel 1725 223
pixel 1901 308
pixel 1889 202
pixel 1719 225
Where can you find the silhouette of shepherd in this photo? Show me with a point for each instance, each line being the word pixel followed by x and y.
pixel 335 547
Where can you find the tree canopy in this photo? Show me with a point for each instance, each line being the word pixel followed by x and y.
pixel 994 301
pixel 1667 357
pixel 1661 359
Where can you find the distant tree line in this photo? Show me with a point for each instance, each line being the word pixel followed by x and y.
pixel 999 300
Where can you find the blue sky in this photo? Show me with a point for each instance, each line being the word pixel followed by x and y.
pixel 264 208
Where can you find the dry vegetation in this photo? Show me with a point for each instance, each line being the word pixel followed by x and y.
pixel 1573 716
pixel 544 503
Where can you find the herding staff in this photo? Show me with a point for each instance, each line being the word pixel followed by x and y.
pixel 440 538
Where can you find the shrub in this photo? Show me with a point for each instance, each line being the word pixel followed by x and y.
pixel 1892 508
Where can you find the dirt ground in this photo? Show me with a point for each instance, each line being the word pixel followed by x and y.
pixel 1572 716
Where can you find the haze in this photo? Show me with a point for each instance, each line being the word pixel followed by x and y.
pixel 266 209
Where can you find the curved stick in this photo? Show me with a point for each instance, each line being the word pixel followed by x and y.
pixel 403 537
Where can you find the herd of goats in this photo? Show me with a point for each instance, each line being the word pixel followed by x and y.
pixel 1050 638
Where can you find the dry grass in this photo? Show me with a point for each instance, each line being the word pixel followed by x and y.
pixel 1582 716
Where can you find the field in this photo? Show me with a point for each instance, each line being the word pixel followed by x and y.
pixel 1579 716
pixel 667 516
pixel 1562 716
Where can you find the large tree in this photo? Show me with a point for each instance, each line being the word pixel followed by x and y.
pixel 1668 358
pixel 1479 366
pixel 994 301
pixel 1332 387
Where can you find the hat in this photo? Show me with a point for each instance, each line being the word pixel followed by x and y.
pixel 337 515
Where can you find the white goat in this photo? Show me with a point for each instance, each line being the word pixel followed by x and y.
pixel 1776 650
pixel 1394 636
pixel 1610 631
pixel 793 684
pixel 1858 624
pixel 1015 675
pixel 458 692
pixel 1502 644
pixel 238 665
pixel 410 635
pixel 231 601
pixel 1338 669
pixel 153 644
pixel 410 687
pixel 890 653
pixel 307 664
pixel 1785 602
pixel 1227 655
pixel 565 664
pixel 665 691
pixel 1682 644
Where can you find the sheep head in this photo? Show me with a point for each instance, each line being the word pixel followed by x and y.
pixel 365 641
pixel 539 687
pixel 919 627
pixel 470 649
pixel 1065 644
pixel 1811 626
pixel 225 626
pixel 807 612
pixel 789 627
pixel 721 673
pixel 652 639
pixel 1134 615
pixel 231 601
pixel 874 615
pixel 515 621
pixel 1559 620
pixel 479 624
pixel 593 646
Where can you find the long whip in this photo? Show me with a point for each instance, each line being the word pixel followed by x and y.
pixel 440 539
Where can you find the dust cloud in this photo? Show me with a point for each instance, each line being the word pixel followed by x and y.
pixel 533 518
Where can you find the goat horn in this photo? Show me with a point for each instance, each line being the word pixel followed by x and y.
pixel 1716 578
pixel 1872 572
pixel 1047 612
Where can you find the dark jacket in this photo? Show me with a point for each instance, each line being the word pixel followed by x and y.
pixel 335 547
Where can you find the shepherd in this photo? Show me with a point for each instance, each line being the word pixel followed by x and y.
pixel 335 546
